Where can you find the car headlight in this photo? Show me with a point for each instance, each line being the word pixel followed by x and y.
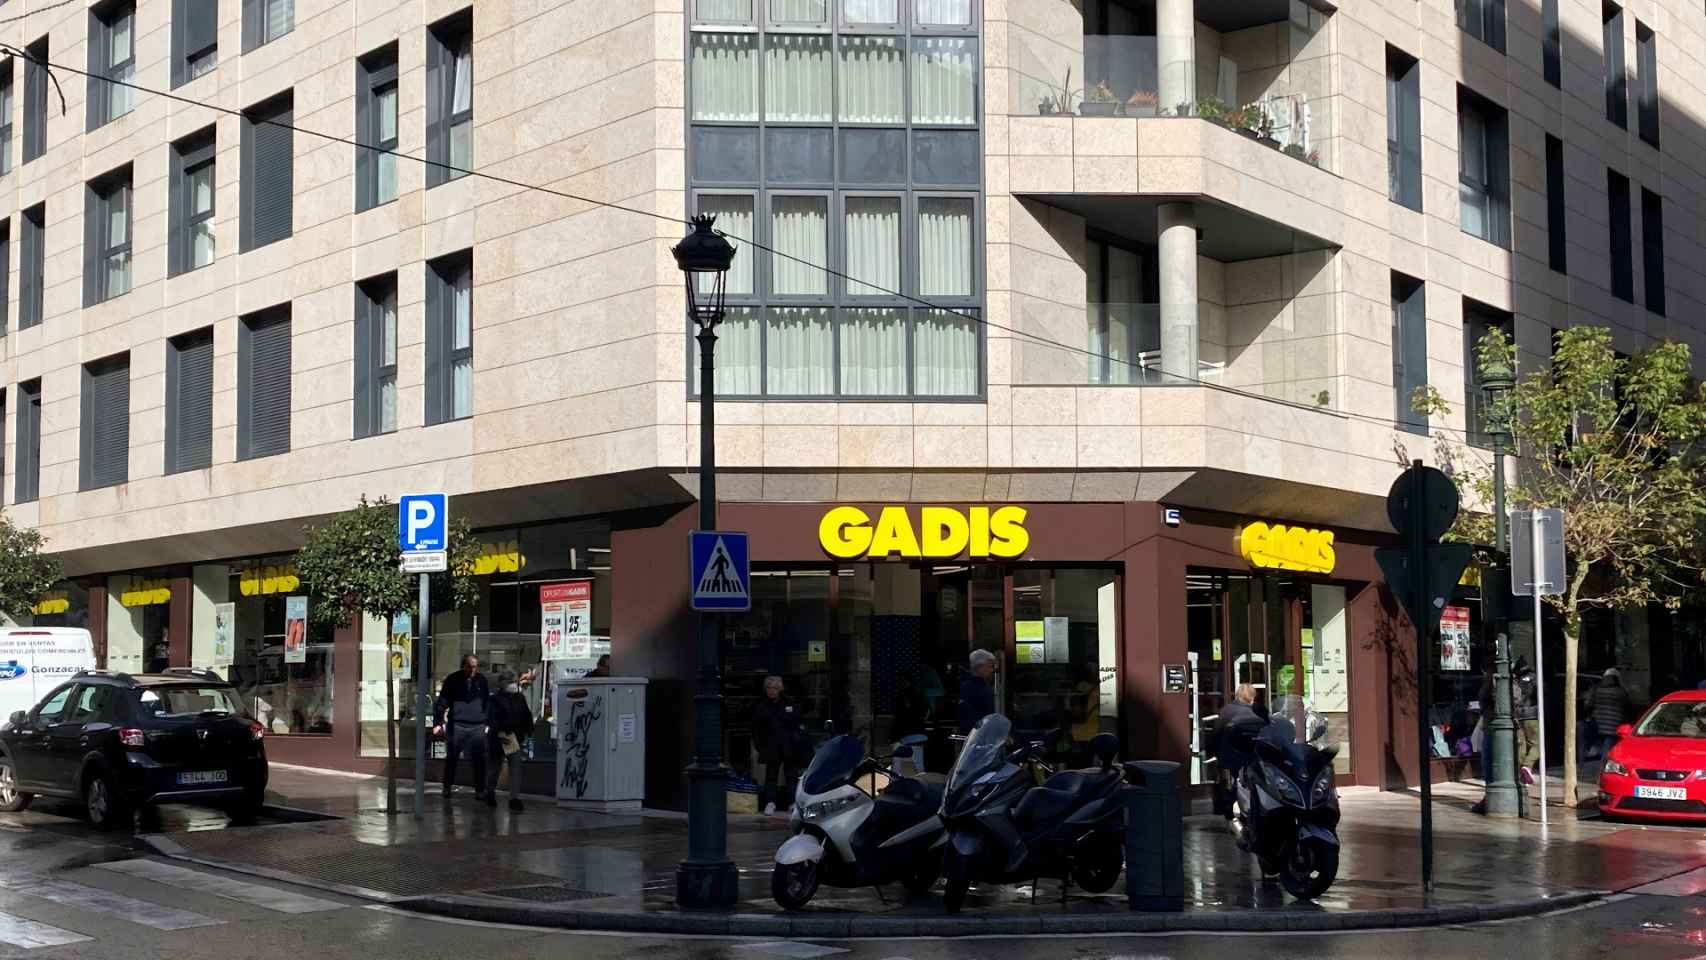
pixel 824 809
pixel 1612 766
pixel 1323 788
pixel 1282 785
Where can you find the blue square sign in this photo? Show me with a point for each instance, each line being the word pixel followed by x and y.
pixel 422 521
pixel 721 576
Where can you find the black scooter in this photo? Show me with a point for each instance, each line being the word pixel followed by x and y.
pixel 1004 828
pixel 1288 809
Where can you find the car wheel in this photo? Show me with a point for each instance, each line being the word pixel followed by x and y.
pixel 106 809
pixel 11 798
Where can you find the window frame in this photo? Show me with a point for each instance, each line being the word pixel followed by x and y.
pixel 1478 320
pixel 8 101
pixel 190 155
pixel 273 111
pixel 444 39
pixel 27 475
pixel 771 24
pixel 176 410
pixel 1407 156
pixel 1647 84
pixel 376 73
pixel 840 285
pixel 184 59
pixel 1557 206
pixel 247 325
pixel 1616 64
pixel 104 71
pixel 89 457
pixel 255 23
pixel 1489 27
pixel 441 336
pixel 1551 44
pixel 1495 129
pixel 372 373
pixel 914 25
pixel 35 99
pixel 1622 235
pixel 32 266
pixel 1406 417
pixel 1653 251
pixel 99 248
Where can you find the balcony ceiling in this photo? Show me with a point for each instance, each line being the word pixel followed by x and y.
pixel 1224 233
pixel 1227 15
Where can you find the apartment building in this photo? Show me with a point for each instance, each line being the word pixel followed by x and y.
pixel 1082 331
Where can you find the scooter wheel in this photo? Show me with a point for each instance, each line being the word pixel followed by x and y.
pixel 957 870
pixel 1310 869
pixel 1097 871
pixel 793 884
pixel 923 876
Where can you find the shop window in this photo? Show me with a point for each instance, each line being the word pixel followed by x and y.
pixel 288 691
pixel 1064 635
pixel 138 619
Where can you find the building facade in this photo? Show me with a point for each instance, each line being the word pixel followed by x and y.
pixel 1148 284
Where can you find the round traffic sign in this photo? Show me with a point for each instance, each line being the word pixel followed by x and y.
pixel 1439 507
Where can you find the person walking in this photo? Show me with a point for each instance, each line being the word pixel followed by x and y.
pixel 1235 730
pixel 1609 706
pixel 1526 704
pixel 460 715
pixel 977 690
pixel 510 724
pixel 775 727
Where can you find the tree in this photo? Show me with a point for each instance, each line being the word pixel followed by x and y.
pixel 25 572
pixel 1619 444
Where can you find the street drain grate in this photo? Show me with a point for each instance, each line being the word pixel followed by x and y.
pixel 552 893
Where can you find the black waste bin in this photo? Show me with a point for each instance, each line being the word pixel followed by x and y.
pixel 1154 836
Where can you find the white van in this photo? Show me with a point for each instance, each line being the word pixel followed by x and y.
pixel 34 660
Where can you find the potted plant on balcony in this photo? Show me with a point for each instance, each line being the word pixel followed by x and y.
pixel 1296 150
pixel 1100 101
pixel 1242 119
pixel 1265 129
pixel 1058 103
pixel 1212 109
pixel 1142 104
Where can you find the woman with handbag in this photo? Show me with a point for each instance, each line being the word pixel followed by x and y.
pixel 510 725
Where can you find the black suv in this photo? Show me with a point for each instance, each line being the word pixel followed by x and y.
pixel 115 742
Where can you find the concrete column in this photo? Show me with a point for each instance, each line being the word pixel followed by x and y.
pixel 1177 262
pixel 1176 54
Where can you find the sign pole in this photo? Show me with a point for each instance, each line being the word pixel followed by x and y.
pixel 423 706
pixel 1419 613
pixel 1536 519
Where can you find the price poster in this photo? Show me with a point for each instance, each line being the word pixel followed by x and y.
pixel 295 629
pixel 224 618
pixel 1454 643
pixel 565 620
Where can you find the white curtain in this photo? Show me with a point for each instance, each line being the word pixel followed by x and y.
pixel 944 349
pixel 799 227
pixel 120 99
pixel 796 78
pixel 462 105
pixel 871 11
pixel 1472 167
pixel 724 10
pixel 724 70
pixel 462 338
pixel 388 358
pixel 385 164
pixel 945 247
pixel 800 351
pixel 873 80
pixel 799 11
pixel 281 18
pixel 737 355
pixel 944 85
pixel 944 13
pixel 734 217
pixel 873 246
pixel 118 234
pixel 873 353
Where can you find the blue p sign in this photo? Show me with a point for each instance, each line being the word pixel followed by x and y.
pixel 421 521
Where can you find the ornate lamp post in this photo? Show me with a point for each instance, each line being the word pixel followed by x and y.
pixel 707 878
pixel 1504 797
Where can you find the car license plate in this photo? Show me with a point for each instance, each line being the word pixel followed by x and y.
pixel 200 777
pixel 1661 793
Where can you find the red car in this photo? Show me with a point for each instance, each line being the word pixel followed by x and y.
pixel 1657 770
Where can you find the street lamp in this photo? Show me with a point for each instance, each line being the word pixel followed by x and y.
pixel 707 878
pixel 1504 798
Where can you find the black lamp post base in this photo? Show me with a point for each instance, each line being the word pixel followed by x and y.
pixel 707 879
pixel 707 886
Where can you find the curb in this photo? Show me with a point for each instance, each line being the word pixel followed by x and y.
pixel 831 926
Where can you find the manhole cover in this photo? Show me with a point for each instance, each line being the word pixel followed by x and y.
pixel 553 893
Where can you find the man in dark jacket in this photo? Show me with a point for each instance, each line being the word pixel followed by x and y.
pixel 1609 707
pixel 977 691
pixel 1235 731
pixel 466 697
pixel 1526 701
pixel 510 724
pixel 775 727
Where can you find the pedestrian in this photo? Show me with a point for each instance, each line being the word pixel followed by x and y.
pixel 601 669
pixel 1526 704
pixel 160 655
pixel 460 715
pixel 1235 729
pixel 977 690
pixel 511 723
pixel 1609 704
pixel 1480 739
pixel 775 727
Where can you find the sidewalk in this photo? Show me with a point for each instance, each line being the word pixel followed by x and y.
pixel 582 870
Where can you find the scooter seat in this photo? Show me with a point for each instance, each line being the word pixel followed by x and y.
pixel 912 791
pixel 1081 781
pixel 1044 805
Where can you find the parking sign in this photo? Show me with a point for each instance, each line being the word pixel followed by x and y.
pixel 422 521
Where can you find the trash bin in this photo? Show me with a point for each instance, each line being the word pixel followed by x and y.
pixel 601 743
pixel 1154 836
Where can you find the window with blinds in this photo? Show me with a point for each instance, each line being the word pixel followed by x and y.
pixel 263 384
pixel 450 338
pixel 266 20
pixel 268 182
pixel 195 39
pixel 28 476
pixel 450 97
pixel 189 401
pixel 105 447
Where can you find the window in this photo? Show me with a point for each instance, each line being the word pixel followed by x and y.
pixel 1653 249
pixel 263 383
pixel 1403 129
pixel 1483 168
pixel 195 39
pixel 1120 281
pixel 1409 351
pixel 266 20
pixel 376 356
pixel 190 220
pixel 112 62
pixel 1647 82
pixel 1551 43
pixel 32 264
pixel 1484 20
pixel 105 453
pixel 1622 245
pixel 450 338
pixel 189 401
pixel 6 116
pixel 5 285
pixel 450 98
pixel 28 478
pixel 106 237
pixel 1616 78
pixel 268 181
pixel 376 127
pixel 1478 321
pixel 1556 243
pixel 35 99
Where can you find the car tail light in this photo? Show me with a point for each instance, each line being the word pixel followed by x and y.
pixel 132 738
pixel 256 731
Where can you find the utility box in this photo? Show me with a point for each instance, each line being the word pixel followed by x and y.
pixel 1154 836
pixel 601 743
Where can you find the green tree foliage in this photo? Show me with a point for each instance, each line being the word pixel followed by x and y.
pixel 25 572
pixel 349 565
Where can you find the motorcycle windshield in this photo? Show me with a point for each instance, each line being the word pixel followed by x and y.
pixel 833 764
pixel 1309 727
pixel 985 750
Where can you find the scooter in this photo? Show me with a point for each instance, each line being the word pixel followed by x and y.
pixel 1002 827
pixel 1287 810
pixel 842 828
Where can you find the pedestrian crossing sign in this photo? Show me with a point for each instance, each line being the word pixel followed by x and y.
pixel 720 575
